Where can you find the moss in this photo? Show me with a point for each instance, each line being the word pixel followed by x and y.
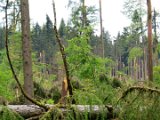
pixel 6 114
pixel 72 113
pixel 53 114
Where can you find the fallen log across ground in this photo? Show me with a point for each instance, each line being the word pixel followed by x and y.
pixel 29 111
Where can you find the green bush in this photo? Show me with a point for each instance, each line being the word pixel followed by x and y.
pixel 116 83
pixel 104 78
pixel 156 74
pixel 54 94
pixel 140 104
pixel 6 114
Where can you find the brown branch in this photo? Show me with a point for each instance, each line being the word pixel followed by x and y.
pixel 11 66
pixel 62 52
pixel 140 89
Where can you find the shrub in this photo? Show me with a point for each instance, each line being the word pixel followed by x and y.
pixel 116 83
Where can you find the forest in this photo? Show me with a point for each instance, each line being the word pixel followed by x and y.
pixel 69 72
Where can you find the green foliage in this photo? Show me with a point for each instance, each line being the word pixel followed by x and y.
pixel 82 62
pixel 15 47
pixel 95 93
pixel 62 29
pixel 87 95
pixel 156 74
pixel 7 114
pixel 2 36
pixel 131 5
pixel 86 13
pixel 43 40
pixel 53 114
pixel 47 101
pixel 75 114
pixel 140 105
pixel 158 48
pixel 54 94
pixel 5 78
pixel 104 78
pixel 5 90
pixel 135 52
pixel 108 49
pixel 39 91
pixel 50 101
pixel 116 83
pixel 46 95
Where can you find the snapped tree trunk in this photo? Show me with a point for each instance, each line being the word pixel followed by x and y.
pixel 61 47
pixel 26 47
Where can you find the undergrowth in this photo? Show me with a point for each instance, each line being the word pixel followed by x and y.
pixel 139 103
pixel 6 114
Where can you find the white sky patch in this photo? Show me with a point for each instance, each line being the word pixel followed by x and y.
pixel 40 8
pixel 113 18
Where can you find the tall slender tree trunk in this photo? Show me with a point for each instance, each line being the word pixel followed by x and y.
pixel 101 31
pixel 155 43
pixel 144 52
pixel 84 14
pixel 144 60
pixel 150 43
pixel 26 46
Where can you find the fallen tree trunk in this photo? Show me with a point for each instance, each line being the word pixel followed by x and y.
pixel 28 111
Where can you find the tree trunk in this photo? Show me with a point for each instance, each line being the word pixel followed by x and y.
pixel 150 62
pixel 26 47
pixel 61 47
pixel 29 111
pixel 155 41
pixel 144 62
pixel 101 31
pixel 84 14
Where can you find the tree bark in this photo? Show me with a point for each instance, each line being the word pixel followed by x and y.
pixel 26 47
pixel 101 30
pixel 61 47
pixel 155 41
pixel 11 66
pixel 150 44
pixel 28 111
pixel 84 15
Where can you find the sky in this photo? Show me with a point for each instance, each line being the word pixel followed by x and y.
pixel 113 18
pixel 111 12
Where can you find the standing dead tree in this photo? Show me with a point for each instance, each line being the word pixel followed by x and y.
pixel 61 47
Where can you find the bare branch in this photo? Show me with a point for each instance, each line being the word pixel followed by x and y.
pixel 140 89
